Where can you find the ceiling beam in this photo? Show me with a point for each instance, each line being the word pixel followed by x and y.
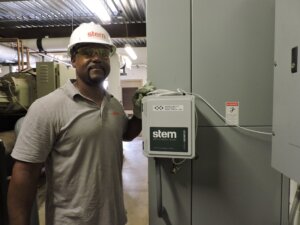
pixel 115 30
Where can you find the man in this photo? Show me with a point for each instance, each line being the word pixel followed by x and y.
pixel 76 132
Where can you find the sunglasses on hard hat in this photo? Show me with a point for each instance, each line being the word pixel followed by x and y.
pixel 92 51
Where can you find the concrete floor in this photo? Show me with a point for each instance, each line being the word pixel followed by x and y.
pixel 135 178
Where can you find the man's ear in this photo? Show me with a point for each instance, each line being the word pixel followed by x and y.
pixel 73 58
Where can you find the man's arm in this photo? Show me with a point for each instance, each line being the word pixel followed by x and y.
pixel 22 191
pixel 135 123
pixel 134 128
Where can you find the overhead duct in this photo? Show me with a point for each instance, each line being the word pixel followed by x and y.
pixel 47 44
pixel 10 55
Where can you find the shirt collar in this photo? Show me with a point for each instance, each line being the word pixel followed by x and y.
pixel 72 91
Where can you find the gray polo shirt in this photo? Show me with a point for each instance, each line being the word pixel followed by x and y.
pixel 81 145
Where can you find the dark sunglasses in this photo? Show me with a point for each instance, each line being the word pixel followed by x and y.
pixel 91 52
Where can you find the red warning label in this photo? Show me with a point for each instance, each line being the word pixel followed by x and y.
pixel 232 103
pixel 232 113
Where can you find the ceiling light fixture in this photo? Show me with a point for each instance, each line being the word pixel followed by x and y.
pixel 96 7
pixel 130 51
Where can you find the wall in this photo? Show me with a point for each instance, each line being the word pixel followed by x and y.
pixel 136 72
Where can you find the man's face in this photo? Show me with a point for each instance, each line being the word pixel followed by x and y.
pixel 92 63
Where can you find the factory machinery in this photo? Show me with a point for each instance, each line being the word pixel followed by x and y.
pixel 18 90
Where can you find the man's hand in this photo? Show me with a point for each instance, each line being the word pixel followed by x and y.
pixel 138 96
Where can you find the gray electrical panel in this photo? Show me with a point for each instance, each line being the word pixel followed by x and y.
pixel 222 51
pixel 169 126
pixel 286 115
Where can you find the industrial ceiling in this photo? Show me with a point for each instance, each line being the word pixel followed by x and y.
pixel 57 18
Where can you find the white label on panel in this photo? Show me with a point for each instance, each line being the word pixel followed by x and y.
pixel 168 108
pixel 232 113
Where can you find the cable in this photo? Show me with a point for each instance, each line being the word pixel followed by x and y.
pixel 164 92
pixel 178 163
pixel 229 122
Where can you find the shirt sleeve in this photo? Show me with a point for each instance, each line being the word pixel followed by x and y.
pixel 36 136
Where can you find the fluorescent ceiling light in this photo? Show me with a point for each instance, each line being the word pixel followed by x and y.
pixel 98 9
pixel 130 52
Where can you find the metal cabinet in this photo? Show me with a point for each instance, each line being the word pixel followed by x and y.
pixel 222 51
pixel 286 119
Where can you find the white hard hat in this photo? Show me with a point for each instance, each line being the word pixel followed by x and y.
pixel 90 33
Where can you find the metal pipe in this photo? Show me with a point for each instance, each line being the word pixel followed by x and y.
pixel 18 52
pixel 22 54
pixel 28 58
